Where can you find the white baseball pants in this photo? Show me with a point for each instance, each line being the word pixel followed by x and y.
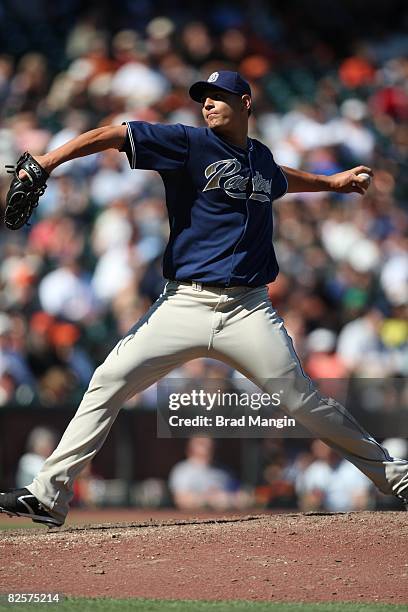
pixel 238 326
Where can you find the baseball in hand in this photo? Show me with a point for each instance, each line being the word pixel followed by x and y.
pixel 366 177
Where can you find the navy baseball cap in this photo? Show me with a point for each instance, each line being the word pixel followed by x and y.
pixel 224 79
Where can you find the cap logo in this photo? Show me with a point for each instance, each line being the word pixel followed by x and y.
pixel 213 77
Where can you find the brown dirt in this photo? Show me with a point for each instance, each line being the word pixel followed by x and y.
pixel 287 557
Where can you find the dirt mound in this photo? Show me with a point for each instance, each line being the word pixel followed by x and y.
pixel 289 557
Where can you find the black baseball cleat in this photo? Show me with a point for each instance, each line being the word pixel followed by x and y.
pixel 20 502
pixel 403 497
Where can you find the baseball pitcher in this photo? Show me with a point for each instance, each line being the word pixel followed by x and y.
pixel 220 186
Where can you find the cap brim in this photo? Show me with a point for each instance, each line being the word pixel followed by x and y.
pixel 196 91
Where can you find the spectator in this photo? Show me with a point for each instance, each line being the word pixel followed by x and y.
pixel 12 360
pixel 65 338
pixel 89 489
pixel 40 444
pixel 67 292
pixel 197 484
pixel 323 362
pixel 277 488
pixel 332 483
pixel 360 345
pixel 41 354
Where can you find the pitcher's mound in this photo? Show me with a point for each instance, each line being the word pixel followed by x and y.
pixel 290 557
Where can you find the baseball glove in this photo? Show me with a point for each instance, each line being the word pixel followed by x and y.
pixel 23 194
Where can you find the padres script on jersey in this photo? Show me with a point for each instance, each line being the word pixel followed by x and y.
pixel 219 200
pixel 230 168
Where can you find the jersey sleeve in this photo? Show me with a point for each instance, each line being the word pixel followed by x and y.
pixel 154 146
pixel 279 183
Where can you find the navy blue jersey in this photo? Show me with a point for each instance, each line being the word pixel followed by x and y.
pixel 219 200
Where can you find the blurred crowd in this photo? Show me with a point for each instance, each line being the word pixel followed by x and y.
pixel 310 477
pixel 89 265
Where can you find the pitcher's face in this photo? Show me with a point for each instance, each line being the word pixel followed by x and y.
pixel 222 109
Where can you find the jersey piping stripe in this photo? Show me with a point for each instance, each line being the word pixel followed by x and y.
pixel 132 144
pixel 247 216
pixel 287 184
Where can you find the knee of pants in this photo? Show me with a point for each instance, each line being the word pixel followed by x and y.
pixel 296 402
pixel 103 377
pixel 312 408
pixel 120 379
pixel 297 392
